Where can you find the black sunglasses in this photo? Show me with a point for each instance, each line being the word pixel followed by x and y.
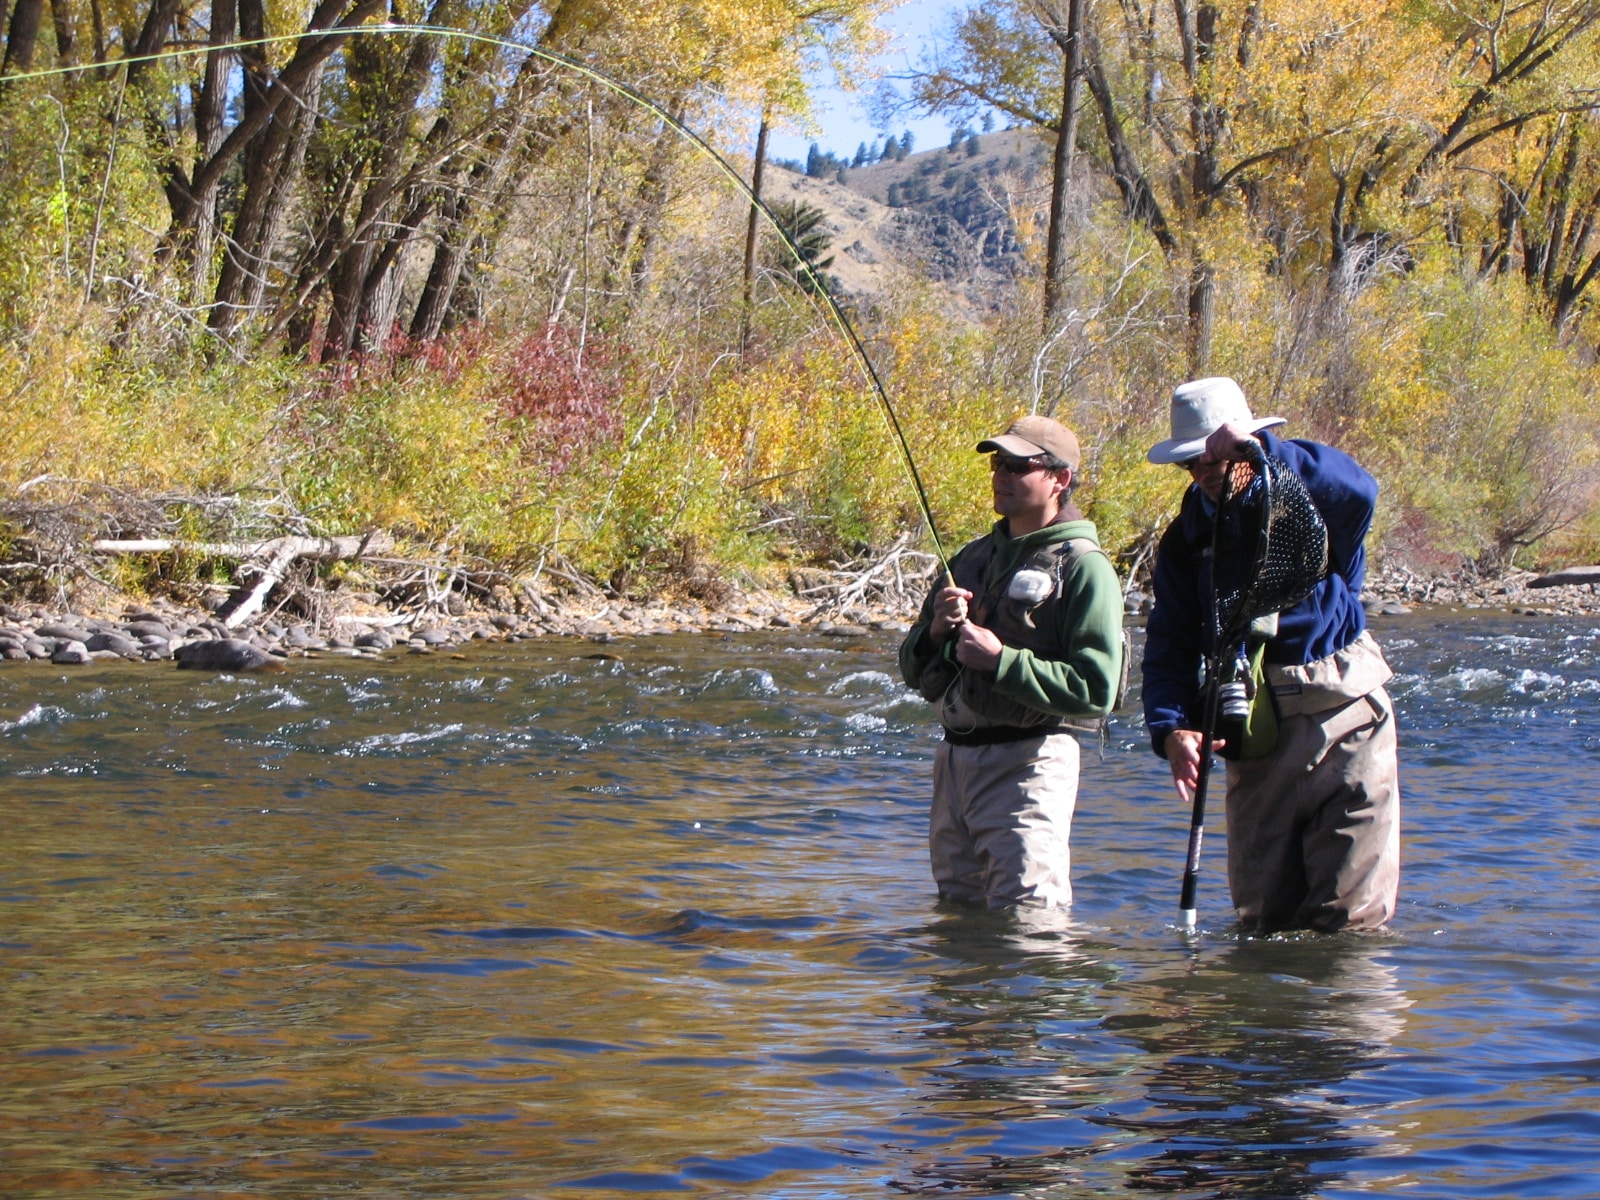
pixel 1012 465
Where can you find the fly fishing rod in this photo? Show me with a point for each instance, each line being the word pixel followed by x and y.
pixel 628 92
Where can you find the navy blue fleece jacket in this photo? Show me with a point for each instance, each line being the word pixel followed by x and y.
pixel 1179 630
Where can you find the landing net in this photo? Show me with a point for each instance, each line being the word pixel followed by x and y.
pixel 1274 549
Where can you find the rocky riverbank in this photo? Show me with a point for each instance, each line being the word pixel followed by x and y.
pixel 195 637
pixel 1564 593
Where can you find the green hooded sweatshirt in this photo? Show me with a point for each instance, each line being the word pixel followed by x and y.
pixel 1077 683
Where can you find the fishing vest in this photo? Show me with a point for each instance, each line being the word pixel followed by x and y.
pixel 1020 609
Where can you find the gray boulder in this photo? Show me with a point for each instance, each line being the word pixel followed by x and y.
pixel 225 654
pixel 115 642
pixel 142 629
pixel 62 631
pixel 71 653
pixel 300 638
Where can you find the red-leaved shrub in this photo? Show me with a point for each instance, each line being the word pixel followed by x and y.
pixel 565 392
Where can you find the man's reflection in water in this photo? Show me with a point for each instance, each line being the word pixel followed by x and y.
pixel 1245 1057
pixel 1211 1075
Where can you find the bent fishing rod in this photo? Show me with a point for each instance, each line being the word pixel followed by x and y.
pixel 819 286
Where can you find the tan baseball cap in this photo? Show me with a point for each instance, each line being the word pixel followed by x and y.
pixel 1032 435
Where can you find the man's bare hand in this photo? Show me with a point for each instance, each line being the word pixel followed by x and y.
pixel 1231 443
pixel 1183 756
pixel 978 648
pixel 949 612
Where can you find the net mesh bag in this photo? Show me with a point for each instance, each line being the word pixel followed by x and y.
pixel 1273 549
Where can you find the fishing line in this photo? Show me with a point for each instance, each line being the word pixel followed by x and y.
pixel 633 95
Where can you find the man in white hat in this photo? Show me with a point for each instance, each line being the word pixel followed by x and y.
pixel 1314 819
pixel 1021 642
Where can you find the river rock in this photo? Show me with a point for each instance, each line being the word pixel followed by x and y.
pixel 116 642
pixel 375 639
pixel 225 654
pixel 62 631
pixel 142 628
pixel 433 636
pixel 71 653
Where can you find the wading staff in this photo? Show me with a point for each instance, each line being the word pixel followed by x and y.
pixel 339 32
pixel 1208 726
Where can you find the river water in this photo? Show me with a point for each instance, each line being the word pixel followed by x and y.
pixel 527 923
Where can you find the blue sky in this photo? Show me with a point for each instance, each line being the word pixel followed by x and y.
pixel 843 118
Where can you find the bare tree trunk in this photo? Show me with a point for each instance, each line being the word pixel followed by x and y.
pixel 1055 262
pixel 481 186
pixel 384 175
pixel 152 37
pixel 272 168
pixel 449 257
pixel 66 34
pixel 22 38
pixel 1202 318
pixel 189 196
pixel 752 235
pixel 98 21
pixel 636 241
pixel 1139 200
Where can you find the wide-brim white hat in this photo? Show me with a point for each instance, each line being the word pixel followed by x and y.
pixel 1200 408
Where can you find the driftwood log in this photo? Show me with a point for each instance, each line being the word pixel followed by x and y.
pixel 265 563
pixel 1566 577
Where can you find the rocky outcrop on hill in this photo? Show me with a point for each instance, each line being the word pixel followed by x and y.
pixel 945 214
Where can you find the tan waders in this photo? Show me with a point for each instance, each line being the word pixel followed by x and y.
pixel 1001 819
pixel 1314 828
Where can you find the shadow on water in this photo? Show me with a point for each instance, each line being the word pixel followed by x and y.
pixel 1208 1072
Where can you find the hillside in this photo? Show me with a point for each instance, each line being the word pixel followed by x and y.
pixel 942 214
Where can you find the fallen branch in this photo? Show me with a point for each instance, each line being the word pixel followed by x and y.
pixel 332 549
pixel 883 578
pixel 279 555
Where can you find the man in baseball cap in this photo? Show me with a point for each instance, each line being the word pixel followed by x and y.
pixel 1020 644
